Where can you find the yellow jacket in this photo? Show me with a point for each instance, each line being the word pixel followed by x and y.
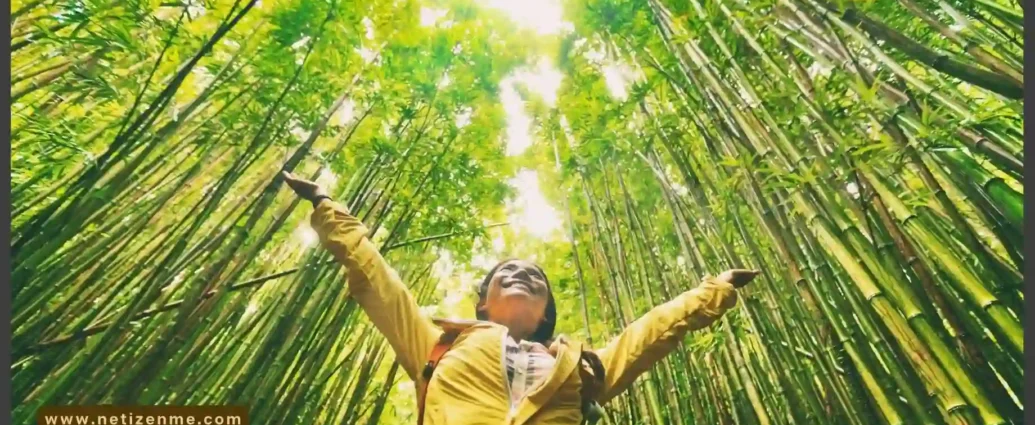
pixel 470 384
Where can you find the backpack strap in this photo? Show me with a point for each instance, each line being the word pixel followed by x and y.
pixel 451 329
pixel 444 344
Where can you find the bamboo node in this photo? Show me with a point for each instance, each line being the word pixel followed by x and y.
pixel 910 216
pixel 956 407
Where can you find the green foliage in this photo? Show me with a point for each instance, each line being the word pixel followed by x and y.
pixel 158 259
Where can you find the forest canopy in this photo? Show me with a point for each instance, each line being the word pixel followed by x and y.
pixel 866 156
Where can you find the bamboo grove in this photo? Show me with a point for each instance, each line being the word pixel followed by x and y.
pixel 866 156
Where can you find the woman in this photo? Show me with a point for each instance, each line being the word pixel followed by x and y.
pixel 506 368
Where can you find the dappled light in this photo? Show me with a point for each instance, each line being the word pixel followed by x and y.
pixel 204 193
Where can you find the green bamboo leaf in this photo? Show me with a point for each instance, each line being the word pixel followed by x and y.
pixel 866 157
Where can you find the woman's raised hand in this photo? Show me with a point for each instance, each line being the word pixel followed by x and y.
pixel 305 189
pixel 738 277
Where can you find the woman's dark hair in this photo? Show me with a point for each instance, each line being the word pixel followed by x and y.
pixel 544 333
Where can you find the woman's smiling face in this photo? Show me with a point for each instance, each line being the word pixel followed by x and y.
pixel 517 295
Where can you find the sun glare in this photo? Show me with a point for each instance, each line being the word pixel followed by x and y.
pixel 530 211
pixel 544 81
pixel 546 17
pixel 429 16
pixel 617 78
pixel 518 122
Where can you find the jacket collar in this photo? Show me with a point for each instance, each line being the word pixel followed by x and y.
pixel 567 361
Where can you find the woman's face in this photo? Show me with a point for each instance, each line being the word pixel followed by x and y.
pixel 517 296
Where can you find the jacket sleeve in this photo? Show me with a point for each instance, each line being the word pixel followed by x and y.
pixel 657 333
pixel 376 287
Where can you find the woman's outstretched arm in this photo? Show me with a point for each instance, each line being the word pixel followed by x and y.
pixel 374 285
pixel 657 333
